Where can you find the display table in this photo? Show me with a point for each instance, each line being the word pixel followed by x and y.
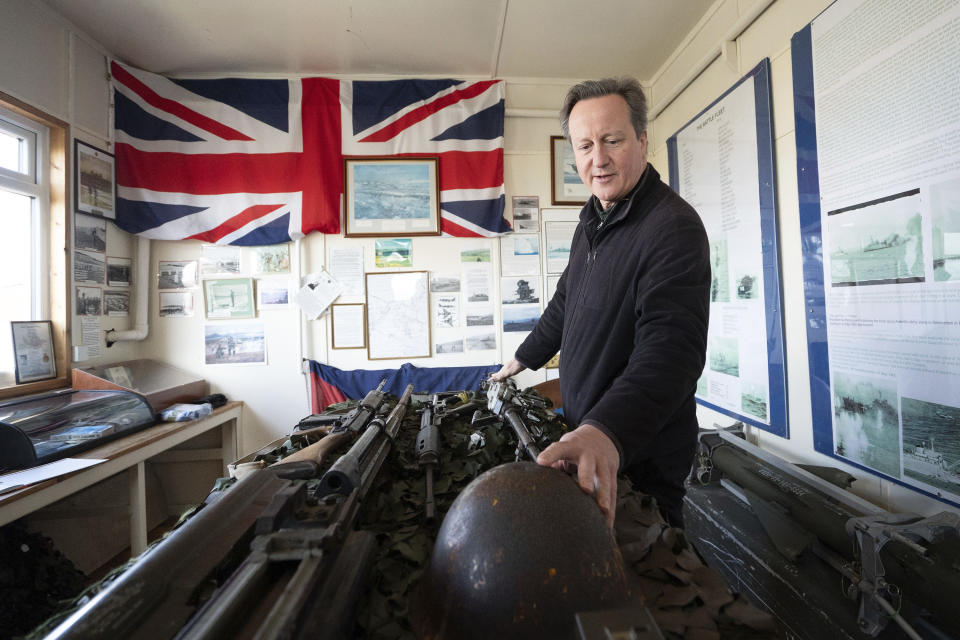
pixel 129 454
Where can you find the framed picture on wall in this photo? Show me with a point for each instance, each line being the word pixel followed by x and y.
pixel 566 187
pixel 391 197
pixel 95 187
pixel 398 315
pixel 33 350
pixel 229 298
pixel 348 326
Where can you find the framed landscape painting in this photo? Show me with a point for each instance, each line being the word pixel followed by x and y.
pixel 391 197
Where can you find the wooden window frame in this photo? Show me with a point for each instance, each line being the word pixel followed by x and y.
pixel 59 233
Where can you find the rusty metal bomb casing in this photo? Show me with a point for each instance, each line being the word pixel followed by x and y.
pixel 520 552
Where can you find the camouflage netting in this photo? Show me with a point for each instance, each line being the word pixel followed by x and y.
pixel 687 599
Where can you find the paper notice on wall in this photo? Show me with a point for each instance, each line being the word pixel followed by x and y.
pixel 317 291
pixel 90 335
pixel 346 265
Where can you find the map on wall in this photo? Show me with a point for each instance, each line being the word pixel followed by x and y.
pixel 877 125
pixel 721 162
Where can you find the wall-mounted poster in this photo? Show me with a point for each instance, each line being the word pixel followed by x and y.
pixel 177 274
pixel 398 315
pixel 722 164
pixel 558 238
pixel 94 181
pixel 391 197
pixel 880 225
pixel 230 298
pixel 519 254
pixel 118 271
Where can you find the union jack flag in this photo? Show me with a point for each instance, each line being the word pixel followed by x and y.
pixel 252 161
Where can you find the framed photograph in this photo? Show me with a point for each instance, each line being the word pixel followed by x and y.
pixel 96 189
pixel 89 233
pixel 116 303
pixel 398 315
pixel 526 213
pixel 558 238
pixel 33 350
pixel 234 343
pixel 348 326
pixel 272 259
pixel 88 301
pixel 176 304
pixel 118 271
pixel 273 293
pixel 177 274
pixel 230 298
pixel 391 197
pixel 89 267
pixel 566 187
pixel 219 260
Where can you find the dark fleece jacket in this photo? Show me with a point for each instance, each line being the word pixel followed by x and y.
pixel 630 320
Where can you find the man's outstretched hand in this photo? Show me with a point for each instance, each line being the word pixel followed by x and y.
pixel 508 370
pixel 596 460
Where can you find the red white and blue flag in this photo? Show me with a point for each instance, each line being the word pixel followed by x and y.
pixel 260 161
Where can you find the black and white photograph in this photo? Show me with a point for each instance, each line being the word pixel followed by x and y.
pixel 520 290
pixel 229 298
pixel 89 232
pixel 118 271
pixel 481 341
pixel 116 303
pixel 177 274
pixel 444 283
pixel 931 453
pixel 95 186
pixel 449 346
pixel 866 420
pixel 479 315
pixel 89 268
pixel 88 301
pixel 526 214
pixel 176 304
pixel 219 260
pixel 235 343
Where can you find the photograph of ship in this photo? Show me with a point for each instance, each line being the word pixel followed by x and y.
pixel 394 190
pixel 719 267
pixel 866 427
pixel 753 399
pixel 176 304
pixel 931 452
pixel 725 355
pixel 521 317
pixel 877 243
pixel 945 221
pixel 90 233
pixel 235 343
pixel 482 319
pixel 443 283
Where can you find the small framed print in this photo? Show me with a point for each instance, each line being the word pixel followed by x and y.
pixel 116 303
pixel 229 298
pixel 391 196
pixel 88 301
pixel 272 259
pixel 273 293
pixel 118 272
pixel 33 350
pixel 96 189
pixel 89 233
pixel 348 326
pixel 566 187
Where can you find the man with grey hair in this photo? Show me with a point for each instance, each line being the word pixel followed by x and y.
pixel 630 312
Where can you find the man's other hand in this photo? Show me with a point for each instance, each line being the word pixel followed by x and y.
pixel 508 370
pixel 596 460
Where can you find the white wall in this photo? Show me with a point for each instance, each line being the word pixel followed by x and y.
pixel 769 36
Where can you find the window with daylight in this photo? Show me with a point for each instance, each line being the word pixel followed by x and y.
pixel 33 275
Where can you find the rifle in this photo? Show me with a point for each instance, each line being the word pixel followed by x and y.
pixel 301 564
pixel 504 401
pixel 428 438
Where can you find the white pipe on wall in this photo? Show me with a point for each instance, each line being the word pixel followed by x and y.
pixel 141 298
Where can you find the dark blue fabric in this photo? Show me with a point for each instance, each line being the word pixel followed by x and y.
pixel 355 384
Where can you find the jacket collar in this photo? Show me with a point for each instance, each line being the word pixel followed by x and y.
pixel 649 177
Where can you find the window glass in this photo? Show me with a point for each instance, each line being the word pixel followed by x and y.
pixel 10 151
pixel 15 268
